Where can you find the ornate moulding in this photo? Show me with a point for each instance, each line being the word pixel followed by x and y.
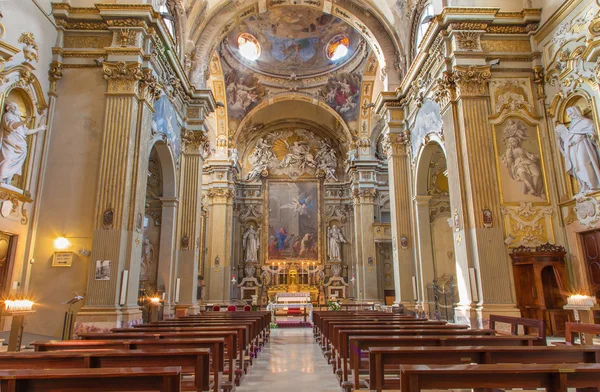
pixel 527 225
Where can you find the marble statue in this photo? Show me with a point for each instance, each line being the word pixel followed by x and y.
pixel 579 146
pixel 251 242
pixel 299 156
pixel 147 258
pixel 265 277
pixel 14 142
pixel 233 156
pixel 335 239
pixel 327 161
pixel 261 159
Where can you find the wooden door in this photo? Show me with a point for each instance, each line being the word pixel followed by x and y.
pixel 591 250
pixel 8 246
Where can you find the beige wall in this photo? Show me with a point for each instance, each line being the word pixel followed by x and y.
pixel 69 195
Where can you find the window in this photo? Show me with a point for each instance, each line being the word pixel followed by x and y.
pixel 424 22
pixel 168 18
pixel 338 47
pixel 248 46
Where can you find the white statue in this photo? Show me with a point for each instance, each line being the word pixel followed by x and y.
pixel 335 239
pixel 147 258
pixel 579 146
pixel 233 155
pixel 261 159
pixel 14 142
pixel 298 157
pixel 251 242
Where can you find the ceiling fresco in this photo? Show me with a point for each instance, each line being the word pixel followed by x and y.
pixel 293 41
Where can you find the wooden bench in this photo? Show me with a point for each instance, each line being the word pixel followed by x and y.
pixel 572 329
pixel 167 379
pixel 387 360
pixel 216 346
pixel 555 378
pixel 529 326
pixel 358 345
pixel 192 361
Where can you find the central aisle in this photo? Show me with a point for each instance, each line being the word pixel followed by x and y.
pixel 290 362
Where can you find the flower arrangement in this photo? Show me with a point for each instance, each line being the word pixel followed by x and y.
pixel 334 306
pixel 273 325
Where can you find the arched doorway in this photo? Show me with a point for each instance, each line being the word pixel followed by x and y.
pixel 157 268
pixel 436 263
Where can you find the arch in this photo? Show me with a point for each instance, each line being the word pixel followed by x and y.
pixel 300 98
pixel 424 155
pixel 224 16
pixel 168 168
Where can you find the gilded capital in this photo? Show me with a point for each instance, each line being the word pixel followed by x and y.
pixel 122 77
pixel 150 89
pixel 193 140
pixel 220 195
pixel 472 80
pixel 396 143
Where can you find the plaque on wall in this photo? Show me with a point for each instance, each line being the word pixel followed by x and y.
pixel 62 259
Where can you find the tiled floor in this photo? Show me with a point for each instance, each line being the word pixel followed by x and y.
pixel 291 362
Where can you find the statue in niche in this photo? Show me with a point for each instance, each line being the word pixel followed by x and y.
pixel 327 161
pixel 579 146
pixel 251 242
pixel 261 159
pixel 14 142
pixel 335 239
pixel 523 166
pixel 147 260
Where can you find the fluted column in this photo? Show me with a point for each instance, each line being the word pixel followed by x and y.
pixel 117 240
pixel 366 271
pixel 482 248
pixel 190 220
pixel 400 203
pixel 218 265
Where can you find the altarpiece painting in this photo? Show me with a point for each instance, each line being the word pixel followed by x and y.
pixel 293 223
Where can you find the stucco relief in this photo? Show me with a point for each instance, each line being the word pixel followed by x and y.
pixel 587 210
pixel 428 120
pixel 527 225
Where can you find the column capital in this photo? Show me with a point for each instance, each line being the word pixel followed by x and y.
pixel 122 77
pixel 193 141
pixel 220 195
pixel 472 80
pixel 169 201
pixel 396 144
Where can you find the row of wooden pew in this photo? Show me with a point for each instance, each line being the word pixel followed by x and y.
pixel 381 351
pixel 211 351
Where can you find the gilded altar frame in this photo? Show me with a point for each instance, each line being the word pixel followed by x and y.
pixel 264 242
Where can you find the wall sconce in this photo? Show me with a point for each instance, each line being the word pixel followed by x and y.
pixel 233 280
pixel 18 305
pixel 61 243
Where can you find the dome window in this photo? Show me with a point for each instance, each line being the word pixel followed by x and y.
pixel 338 48
pixel 248 46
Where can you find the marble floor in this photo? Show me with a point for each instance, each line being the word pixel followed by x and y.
pixel 290 362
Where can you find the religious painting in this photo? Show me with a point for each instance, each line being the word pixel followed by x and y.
pixel 293 224
pixel 292 41
pixel 244 91
pixel 165 121
pixel 342 93
pixel 520 162
pixel 102 269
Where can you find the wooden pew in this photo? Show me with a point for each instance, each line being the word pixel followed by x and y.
pixel 343 350
pixel 216 346
pixel 386 360
pixel 529 326
pixel 573 329
pixel 167 379
pixel 230 337
pixel 192 361
pixel 555 378
pixel 359 344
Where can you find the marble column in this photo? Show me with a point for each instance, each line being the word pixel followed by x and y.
pixel 190 221
pixel 400 203
pixel 218 269
pixel 366 271
pixel 111 299
pixel 425 264
pixel 477 248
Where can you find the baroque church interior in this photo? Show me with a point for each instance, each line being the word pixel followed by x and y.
pixel 256 172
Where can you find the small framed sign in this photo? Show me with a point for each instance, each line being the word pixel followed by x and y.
pixel 62 259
